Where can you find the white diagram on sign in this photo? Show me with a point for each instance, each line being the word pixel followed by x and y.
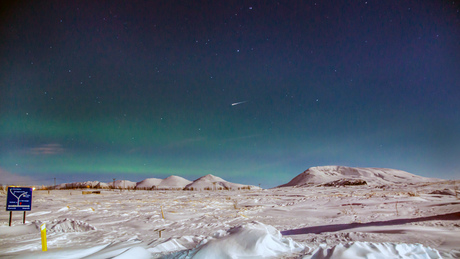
pixel 24 193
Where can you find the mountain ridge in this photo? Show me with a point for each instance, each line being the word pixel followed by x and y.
pixel 328 175
pixel 173 182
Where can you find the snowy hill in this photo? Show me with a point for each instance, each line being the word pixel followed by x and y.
pixel 342 175
pixel 148 183
pixel 211 182
pixel 172 182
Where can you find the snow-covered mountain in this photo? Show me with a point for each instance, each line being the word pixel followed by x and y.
pixel 211 182
pixel 172 182
pixel 148 183
pixel 342 175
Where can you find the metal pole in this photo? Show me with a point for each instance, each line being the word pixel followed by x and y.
pixel 24 218
pixel 11 216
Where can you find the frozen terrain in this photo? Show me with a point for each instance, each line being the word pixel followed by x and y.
pixel 404 220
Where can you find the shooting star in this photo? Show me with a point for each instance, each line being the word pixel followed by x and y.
pixel 233 104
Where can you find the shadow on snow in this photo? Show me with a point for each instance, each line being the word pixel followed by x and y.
pixel 340 227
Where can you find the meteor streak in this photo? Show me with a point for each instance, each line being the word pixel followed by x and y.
pixel 233 104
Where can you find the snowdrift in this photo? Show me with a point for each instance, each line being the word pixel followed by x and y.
pixel 251 240
pixel 341 175
pixel 257 240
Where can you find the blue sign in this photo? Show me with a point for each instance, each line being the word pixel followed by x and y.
pixel 19 199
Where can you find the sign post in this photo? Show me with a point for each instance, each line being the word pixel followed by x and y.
pixel 19 199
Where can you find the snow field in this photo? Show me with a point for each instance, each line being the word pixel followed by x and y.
pixel 288 222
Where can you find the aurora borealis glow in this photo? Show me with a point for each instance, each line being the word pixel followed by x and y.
pixel 139 89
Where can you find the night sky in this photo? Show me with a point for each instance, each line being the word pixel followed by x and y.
pixel 95 90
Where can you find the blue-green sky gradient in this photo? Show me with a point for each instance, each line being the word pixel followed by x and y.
pixel 139 89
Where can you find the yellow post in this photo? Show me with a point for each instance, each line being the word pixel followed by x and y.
pixel 162 214
pixel 43 232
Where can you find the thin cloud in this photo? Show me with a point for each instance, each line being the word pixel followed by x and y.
pixel 47 149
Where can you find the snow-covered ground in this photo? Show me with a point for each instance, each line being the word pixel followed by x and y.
pixel 395 221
